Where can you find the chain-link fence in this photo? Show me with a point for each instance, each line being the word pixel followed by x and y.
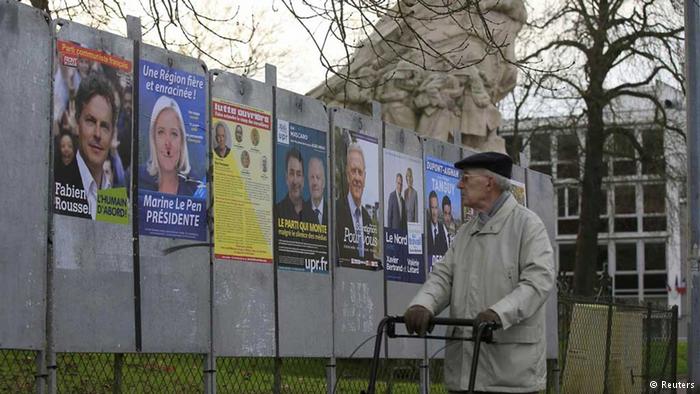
pixel 17 371
pixel 604 348
pixel 129 373
pixel 608 347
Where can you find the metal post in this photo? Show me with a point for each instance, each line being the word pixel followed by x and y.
pixel 425 370
pixel 118 363
pixel 608 344
pixel 40 381
pixel 210 374
pixel 330 376
pixel 692 51
pixel 647 352
pixel 674 343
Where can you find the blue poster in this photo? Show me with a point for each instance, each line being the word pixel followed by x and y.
pixel 403 219
pixel 443 200
pixel 172 173
pixel 301 199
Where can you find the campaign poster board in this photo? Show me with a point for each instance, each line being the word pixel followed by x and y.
pixel 242 152
pixel 357 203
pixel 91 130
pixel 403 218
pixel 172 173
pixel 301 206
pixel 442 200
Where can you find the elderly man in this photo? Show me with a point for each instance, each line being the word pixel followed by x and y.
pixel 221 149
pixel 317 185
pixel 292 205
pixel 353 221
pixel 500 269
pixel 95 114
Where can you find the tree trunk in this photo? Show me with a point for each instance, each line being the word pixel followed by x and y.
pixel 591 193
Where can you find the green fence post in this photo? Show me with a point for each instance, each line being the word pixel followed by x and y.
pixel 608 341
pixel 674 343
pixel 647 355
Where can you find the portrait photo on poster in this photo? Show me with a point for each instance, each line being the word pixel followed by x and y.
pixel 403 218
pixel 357 199
pixel 91 133
pixel 301 198
pixel 173 154
pixel 443 202
pixel 242 182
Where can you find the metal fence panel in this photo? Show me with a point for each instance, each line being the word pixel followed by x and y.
pixel 93 271
pixel 540 200
pixel 175 294
pixel 399 294
pixel 17 371
pixel 24 153
pixel 450 153
pixel 244 304
pixel 358 294
pixel 304 298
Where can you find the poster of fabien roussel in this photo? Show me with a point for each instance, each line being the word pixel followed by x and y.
pixel 242 145
pixel 172 153
pixel 91 131
pixel 301 200
pixel 357 199
pixel 443 200
pixel 403 218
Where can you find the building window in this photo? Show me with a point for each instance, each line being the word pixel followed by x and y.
pixel 541 153
pixel 625 257
pixel 623 154
pixel 655 256
pixel 567 156
pixel 653 159
pixel 625 209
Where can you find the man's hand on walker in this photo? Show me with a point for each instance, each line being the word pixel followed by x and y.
pixel 487 316
pixel 417 319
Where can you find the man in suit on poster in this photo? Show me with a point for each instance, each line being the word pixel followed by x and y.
pixel 317 187
pixel 95 116
pixel 437 233
pixel 352 218
pixel 293 206
pixel 396 210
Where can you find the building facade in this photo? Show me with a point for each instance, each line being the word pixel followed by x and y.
pixel 641 236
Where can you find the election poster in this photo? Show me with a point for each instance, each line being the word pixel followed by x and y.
pixel 443 200
pixel 403 218
pixel 242 145
pixel 91 130
pixel 357 204
pixel 301 203
pixel 172 173
pixel 518 191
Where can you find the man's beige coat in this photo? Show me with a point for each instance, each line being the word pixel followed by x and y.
pixel 507 266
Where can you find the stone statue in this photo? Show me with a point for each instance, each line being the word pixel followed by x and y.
pixel 438 98
pixel 451 97
pixel 396 95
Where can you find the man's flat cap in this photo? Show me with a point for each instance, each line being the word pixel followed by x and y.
pixel 493 161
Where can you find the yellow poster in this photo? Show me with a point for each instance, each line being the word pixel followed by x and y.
pixel 242 144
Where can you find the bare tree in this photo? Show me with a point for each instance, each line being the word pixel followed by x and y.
pixel 219 34
pixel 597 52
